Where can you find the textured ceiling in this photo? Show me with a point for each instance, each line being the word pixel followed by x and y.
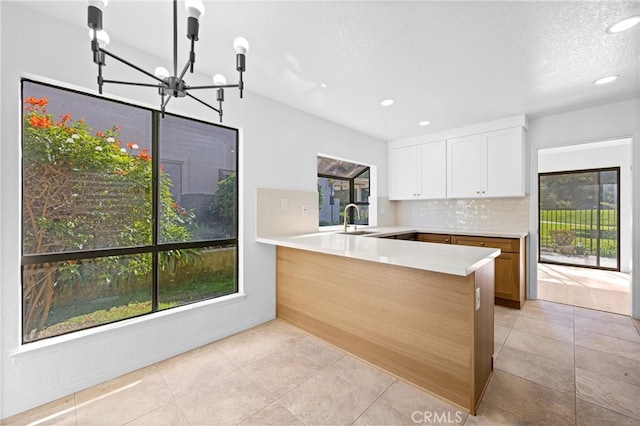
pixel 452 63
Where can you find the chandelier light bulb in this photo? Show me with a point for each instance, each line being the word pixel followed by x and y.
pixel 102 36
pixel 194 8
pixel 219 80
pixel 161 72
pixel 100 4
pixel 241 45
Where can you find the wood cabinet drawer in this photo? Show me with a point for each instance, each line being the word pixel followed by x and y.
pixel 509 245
pixel 435 238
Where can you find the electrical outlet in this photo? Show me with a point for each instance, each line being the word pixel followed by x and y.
pixel 283 204
pixel 305 209
pixel 477 298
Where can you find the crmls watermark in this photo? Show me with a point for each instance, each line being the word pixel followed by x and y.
pixel 440 417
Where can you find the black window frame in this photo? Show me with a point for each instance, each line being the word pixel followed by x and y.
pixel 155 247
pixel 599 171
pixel 352 190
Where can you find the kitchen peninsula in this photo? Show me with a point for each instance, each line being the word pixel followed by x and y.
pixel 421 311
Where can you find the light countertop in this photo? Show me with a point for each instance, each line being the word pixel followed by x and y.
pixel 443 258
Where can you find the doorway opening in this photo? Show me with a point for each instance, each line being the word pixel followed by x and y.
pixel 584 223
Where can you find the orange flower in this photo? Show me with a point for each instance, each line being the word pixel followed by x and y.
pixel 144 155
pixel 130 145
pixel 37 102
pixel 36 121
pixel 65 118
pixel 99 134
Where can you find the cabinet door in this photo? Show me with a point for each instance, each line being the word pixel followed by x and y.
pixel 433 170
pixel 404 175
pixel 507 276
pixel 434 238
pixel 465 165
pixel 505 163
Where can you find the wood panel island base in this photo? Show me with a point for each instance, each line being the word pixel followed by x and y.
pixel 419 325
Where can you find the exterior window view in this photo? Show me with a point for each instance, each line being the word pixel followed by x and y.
pixel 341 183
pixel 579 217
pixel 101 241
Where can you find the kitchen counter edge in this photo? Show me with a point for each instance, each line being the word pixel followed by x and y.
pixel 441 258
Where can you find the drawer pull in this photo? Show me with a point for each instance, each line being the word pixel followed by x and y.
pixel 481 243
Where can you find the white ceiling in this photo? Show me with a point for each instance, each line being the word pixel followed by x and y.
pixel 452 63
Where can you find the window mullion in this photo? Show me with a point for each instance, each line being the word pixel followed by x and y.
pixel 155 201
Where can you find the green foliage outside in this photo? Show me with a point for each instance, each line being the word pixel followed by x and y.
pixel 224 206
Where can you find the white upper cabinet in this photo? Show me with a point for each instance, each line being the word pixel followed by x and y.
pixel 489 164
pixel 481 160
pixel 465 177
pixel 418 172
pixel 505 163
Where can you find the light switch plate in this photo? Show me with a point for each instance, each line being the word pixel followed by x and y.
pixel 305 209
pixel 477 298
pixel 284 204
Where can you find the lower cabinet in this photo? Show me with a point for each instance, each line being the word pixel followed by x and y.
pixel 434 238
pixel 510 266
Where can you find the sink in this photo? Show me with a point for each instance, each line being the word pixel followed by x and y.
pixel 358 232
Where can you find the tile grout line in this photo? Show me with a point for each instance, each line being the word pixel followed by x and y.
pixel 374 401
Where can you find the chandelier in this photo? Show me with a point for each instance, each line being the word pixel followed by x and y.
pixel 168 85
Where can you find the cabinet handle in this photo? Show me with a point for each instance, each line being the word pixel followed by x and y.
pixel 481 243
pixel 477 192
pixel 447 240
pixel 483 192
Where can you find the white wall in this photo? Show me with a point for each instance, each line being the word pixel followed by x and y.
pixel 611 121
pixel 595 156
pixel 279 150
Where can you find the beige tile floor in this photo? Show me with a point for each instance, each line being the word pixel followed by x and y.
pixel 588 288
pixel 555 365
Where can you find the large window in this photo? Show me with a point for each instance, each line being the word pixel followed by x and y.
pixel 341 183
pixel 124 213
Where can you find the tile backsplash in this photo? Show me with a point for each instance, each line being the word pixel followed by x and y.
pixel 466 214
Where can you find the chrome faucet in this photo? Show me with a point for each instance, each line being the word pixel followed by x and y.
pixel 345 214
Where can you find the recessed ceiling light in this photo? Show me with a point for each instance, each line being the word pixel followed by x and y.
pixel 605 80
pixel 623 24
pixel 424 123
pixel 323 85
pixel 387 102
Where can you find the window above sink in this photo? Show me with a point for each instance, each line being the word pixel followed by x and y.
pixel 340 183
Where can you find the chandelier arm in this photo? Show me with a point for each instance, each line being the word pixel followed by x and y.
pixel 164 104
pixel 203 103
pixel 185 69
pixel 130 83
pixel 175 38
pixel 214 86
pixel 135 67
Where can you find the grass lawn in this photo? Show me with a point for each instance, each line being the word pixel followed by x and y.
pixel 63 319
pixel 584 225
